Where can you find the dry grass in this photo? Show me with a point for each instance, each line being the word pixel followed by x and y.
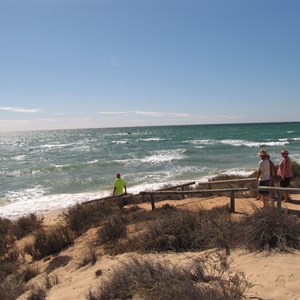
pixel 49 242
pixel 112 229
pixel 26 225
pixel 171 229
pixel 28 273
pixel 11 289
pixel 81 217
pixel 90 257
pixel 270 228
pixel 208 278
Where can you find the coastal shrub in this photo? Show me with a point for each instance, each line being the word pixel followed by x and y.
pixel 49 242
pixel 38 293
pixel 138 216
pixel 90 257
pixel 11 289
pixel 28 273
pixel 51 281
pixel 185 230
pixel 270 228
pixel 296 169
pixel 112 229
pixel 12 255
pixel 7 268
pixel 152 279
pixel 6 236
pixel 215 228
pixel 81 217
pixel 26 225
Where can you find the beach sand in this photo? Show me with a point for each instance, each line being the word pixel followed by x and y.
pixel 274 275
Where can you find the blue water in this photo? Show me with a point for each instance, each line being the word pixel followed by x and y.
pixel 48 170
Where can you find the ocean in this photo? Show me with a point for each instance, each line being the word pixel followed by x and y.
pixel 49 170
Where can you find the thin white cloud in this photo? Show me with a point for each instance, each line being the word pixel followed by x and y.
pixel 162 114
pixel 20 109
pixel 112 113
pixel 146 113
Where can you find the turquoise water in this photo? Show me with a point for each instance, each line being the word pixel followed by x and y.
pixel 47 170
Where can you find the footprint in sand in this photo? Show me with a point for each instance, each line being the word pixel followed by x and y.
pixel 280 281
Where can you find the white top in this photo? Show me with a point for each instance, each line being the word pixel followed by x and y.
pixel 264 167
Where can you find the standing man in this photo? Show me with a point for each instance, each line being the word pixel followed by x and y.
pixel 119 186
pixel 263 175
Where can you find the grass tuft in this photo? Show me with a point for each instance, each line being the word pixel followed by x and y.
pixel 270 228
pixel 81 217
pixel 152 279
pixel 49 242
pixel 26 225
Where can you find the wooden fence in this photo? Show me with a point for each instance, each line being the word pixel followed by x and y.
pixel 278 191
pixel 181 186
pixel 172 190
pixel 196 192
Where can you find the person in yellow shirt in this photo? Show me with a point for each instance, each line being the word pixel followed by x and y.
pixel 119 186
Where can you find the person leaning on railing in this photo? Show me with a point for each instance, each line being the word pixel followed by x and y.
pixel 285 172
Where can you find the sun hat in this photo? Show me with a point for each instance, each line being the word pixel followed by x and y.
pixel 284 151
pixel 263 153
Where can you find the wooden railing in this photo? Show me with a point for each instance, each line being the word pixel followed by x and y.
pixel 213 182
pixel 195 192
pixel 107 198
pixel 278 191
pixel 172 191
pixel 182 186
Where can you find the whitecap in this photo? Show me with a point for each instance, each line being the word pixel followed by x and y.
pixel 164 156
pixel 19 157
pixel 237 172
pixel 201 142
pixel 120 142
pixel 253 144
pixel 151 139
pixel 33 201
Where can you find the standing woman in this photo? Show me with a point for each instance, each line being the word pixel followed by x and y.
pixel 285 172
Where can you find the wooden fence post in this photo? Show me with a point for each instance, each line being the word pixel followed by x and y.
pixel 152 202
pixel 232 202
pixel 279 199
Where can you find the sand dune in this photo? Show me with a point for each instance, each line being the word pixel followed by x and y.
pixel 274 276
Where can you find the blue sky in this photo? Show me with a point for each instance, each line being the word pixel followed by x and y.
pixel 89 64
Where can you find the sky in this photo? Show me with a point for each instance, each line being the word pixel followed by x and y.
pixel 92 64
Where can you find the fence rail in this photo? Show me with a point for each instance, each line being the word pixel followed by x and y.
pixel 195 192
pixel 278 191
pixel 182 186
pixel 183 192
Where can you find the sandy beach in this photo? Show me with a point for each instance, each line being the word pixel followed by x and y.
pixel 273 275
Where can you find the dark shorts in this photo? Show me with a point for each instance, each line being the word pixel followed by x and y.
pixel 285 182
pixel 263 183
